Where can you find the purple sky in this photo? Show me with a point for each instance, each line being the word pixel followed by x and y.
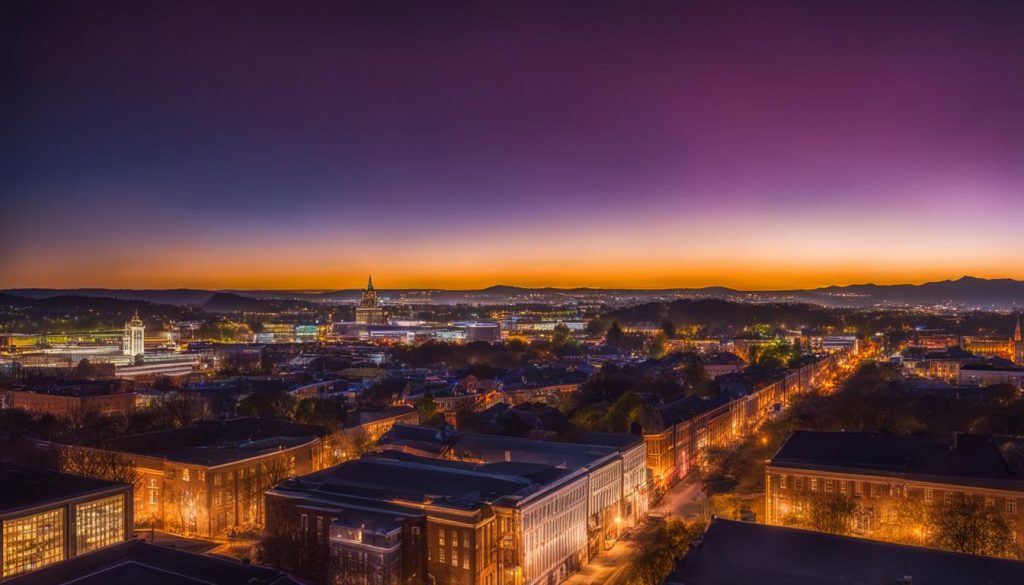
pixel 303 144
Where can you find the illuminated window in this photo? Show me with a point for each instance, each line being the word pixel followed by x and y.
pixel 216 479
pixel 33 541
pixel 858 488
pixel 99 523
pixel 829 486
pixel 782 482
pixel 990 502
pixel 799 484
pixel 1011 505
pixel 929 495
pixel 184 474
pixel 455 557
pixel 842 488
pixel 814 484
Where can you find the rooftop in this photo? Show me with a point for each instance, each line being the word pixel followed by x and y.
pixel 220 442
pixel 135 562
pixel 970 458
pixel 26 487
pixel 739 553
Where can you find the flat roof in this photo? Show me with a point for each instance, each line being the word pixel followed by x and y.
pixel 134 562
pixel 27 487
pixel 740 553
pixel 965 456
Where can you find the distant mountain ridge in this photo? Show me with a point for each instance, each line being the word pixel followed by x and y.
pixel 967 291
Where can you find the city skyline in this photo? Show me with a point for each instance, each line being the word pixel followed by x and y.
pixel 759 146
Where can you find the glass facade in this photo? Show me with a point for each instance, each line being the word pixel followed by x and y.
pixel 99 523
pixel 33 541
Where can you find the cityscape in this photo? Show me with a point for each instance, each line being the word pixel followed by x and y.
pixel 603 293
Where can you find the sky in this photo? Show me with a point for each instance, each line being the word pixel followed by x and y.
pixel 301 145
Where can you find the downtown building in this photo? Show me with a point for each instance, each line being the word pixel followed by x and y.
pixel 691 426
pixel 893 482
pixel 48 517
pixel 439 507
pixel 208 479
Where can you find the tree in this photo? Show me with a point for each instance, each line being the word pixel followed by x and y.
pixel 661 547
pixel 965 524
pixel 669 329
pixel 614 337
pixel 321 411
pixel 276 404
pixel 97 463
pixel 656 347
pixel 830 513
pixel 184 408
pixel 428 411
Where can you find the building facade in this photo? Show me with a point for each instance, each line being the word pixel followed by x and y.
pixel 894 483
pixel 48 517
pixel 134 342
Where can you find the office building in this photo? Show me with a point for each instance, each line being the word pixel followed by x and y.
pixel 48 517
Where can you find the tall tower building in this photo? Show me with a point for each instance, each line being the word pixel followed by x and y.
pixel 1018 343
pixel 369 312
pixel 133 342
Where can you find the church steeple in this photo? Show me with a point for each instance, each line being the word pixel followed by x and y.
pixel 369 282
pixel 1017 332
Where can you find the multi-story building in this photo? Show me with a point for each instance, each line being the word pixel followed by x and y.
pixel 460 508
pixel 48 517
pixel 369 312
pixel 692 425
pixel 615 465
pixel 989 375
pixel 208 479
pixel 134 342
pixel 882 473
pixel 73 400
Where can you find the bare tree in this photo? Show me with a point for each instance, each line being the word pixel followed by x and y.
pixel 97 463
pixel 965 524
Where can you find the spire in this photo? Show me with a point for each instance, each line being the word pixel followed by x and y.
pixel 369 282
pixel 1017 332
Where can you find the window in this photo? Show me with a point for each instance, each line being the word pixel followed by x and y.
pixel 415 530
pixel 33 541
pixel 799 484
pixel 1011 505
pixel 99 524
pixel 990 502
pixel 184 474
pixel 170 473
pixel 216 479
pixel 440 555
pixel 858 488
pixel 465 539
pixel 842 488
pixel 829 486
pixel 929 495
pixel 455 556
pixel 440 537
pixel 305 524
pixel 782 482
pixel 814 484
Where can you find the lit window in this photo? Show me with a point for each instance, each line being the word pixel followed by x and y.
pixel 829 486
pixel 990 502
pixel 32 542
pixel 99 523
pixel 929 495
pixel 1011 505
pixel 184 474
pixel 842 487
pixel 814 484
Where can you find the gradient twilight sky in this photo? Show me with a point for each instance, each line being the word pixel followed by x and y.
pixel 301 145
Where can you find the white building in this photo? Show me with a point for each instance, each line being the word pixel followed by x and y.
pixel 133 343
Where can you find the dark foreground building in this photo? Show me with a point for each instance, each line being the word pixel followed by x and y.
pixel 135 562
pixel 741 553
